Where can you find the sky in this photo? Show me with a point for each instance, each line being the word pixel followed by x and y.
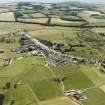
pixel 90 1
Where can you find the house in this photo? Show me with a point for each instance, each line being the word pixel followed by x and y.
pixel 24 40
pixel 77 94
pixel 7 62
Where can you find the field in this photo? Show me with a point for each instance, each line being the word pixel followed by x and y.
pixel 25 96
pixel 33 15
pixel 95 95
pixel 55 34
pixel 92 21
pixel 36 20
pixel 59 101
pixel 7 27
pixel 32 80
pixel 101 30
pixel 9 16
pixel 57 21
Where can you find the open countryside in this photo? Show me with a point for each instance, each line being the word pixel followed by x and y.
pixel 52 53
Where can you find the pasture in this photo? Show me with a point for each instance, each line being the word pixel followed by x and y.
pixel 58 21
pixel 59 101
pixel 92 21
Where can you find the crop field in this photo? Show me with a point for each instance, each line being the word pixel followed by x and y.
pixel 59 101
pixel 9 16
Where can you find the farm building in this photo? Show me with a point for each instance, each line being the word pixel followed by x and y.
pixel 77 94
pixel 7 62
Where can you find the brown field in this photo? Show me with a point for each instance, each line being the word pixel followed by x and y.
pixel 8 16
pixel 98 30
pixel 37 20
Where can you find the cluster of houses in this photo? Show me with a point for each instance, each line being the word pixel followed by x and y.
pixel 76 94
pixel 54 58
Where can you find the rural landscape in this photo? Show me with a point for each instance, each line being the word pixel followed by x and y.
pixel 52 53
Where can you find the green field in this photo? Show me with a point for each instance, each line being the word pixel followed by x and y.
pixel 61 22
pixel 92 21
pixel 59 101
pixel 94 96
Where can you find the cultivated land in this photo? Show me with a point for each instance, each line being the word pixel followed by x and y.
pixel 65 28
pixel 9 16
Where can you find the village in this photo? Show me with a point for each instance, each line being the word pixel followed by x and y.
pixel 54 58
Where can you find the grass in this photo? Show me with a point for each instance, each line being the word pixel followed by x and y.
pixel 86 53
pixel 87 16
pixel 93 74
pixel 33 15
pixel 39 72
pixel 58 21
pixel 7 50
pixel 95 96
pixel 17 69
pixel 75 78
pixel 6 27
pixel 55 33
pixel 41 82
pixel 59 101
pixel 46 89
pixel 23 65
pixel 21 95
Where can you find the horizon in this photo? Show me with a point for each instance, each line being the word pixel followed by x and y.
pixel 53 1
